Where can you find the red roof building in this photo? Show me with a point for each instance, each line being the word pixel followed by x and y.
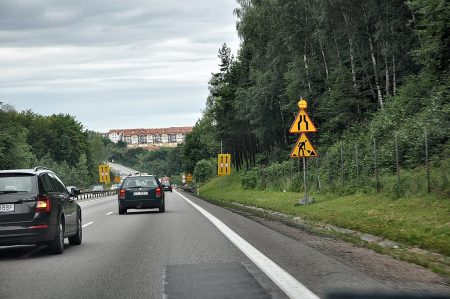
pixel 150 138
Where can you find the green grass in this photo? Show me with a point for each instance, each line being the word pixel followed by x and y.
pixel 416 220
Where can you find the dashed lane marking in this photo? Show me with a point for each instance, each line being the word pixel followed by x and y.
pixel 109 213
pixel 285 281
pixel 87 224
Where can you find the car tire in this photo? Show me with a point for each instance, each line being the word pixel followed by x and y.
pixel 56 246
pixel 77 238
pixel 122 211
pixel 162 209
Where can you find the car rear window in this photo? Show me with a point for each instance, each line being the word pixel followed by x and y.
pixel 145 182
pixel 12 183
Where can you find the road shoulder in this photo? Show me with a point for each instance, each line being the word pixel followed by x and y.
pixel 397 274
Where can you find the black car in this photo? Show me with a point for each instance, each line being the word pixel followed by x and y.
pixel 141 192
pixel 167 186
pixel 36 208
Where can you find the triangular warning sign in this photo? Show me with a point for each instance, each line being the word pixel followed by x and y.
pixel 302 123
pixel 303 148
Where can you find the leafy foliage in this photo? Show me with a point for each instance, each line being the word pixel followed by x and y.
pixel 203 170
pixel 58 142
pixel 372 71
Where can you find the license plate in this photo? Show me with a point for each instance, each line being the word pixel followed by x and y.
pixel 140 193
pixel 7 208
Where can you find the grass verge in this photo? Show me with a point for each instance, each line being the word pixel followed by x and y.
pixel 416 221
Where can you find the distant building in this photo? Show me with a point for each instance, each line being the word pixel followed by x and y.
pixel 150 138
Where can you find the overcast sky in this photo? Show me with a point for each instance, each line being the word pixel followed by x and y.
pixel 113 63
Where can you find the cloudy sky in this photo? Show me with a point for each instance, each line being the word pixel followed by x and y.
pixel 113 63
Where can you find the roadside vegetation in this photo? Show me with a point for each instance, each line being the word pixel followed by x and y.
pixel 418 220
pixel 58 142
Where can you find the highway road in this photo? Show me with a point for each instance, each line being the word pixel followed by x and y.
pixel 194 250
pixel 120 169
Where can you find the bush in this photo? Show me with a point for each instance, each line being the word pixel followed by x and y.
pixel 250 179
pixel 203 170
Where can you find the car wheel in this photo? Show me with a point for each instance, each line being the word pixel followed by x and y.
pixel 122 211
pixel 76 239
pixel 162 209
pixel 56 246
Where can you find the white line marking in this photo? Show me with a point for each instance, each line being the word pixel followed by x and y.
pixel 285 281
pixel 109 213
pixel 87 224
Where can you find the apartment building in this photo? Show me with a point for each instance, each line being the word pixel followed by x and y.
pixel 150 138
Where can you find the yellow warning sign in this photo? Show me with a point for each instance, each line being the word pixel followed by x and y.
pixel 303 148
pixel 189 178
pixel 103 173
pixel 302 123
pixel 117 179
pixel 224 164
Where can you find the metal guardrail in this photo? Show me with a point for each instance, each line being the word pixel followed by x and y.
pixel 92 194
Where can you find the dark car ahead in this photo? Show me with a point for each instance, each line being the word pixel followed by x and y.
pixel 167 186
pixel 141 192
pixel 36 208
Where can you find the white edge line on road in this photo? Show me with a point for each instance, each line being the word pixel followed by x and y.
pixel 87 224
pixel 109 213
pixel 285 281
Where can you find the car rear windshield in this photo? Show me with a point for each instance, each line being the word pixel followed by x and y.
pixel 143 181
pixel 15 183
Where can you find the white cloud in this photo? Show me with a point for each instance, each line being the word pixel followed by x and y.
pixel 122 63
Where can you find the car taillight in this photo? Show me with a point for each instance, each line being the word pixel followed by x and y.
pixel 122 193
pixel 158 192
pixel 43 204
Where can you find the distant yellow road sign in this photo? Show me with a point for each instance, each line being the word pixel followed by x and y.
pixel 303 148
pixel 224 164
pixel 302 123
pixel 117 179
pixel 103 173
pixel 189 177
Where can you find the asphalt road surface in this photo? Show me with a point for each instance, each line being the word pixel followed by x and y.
pixel 194 250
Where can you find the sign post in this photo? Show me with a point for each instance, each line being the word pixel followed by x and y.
pixel 303 148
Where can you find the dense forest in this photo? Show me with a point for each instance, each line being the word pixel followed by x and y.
pixel 373 72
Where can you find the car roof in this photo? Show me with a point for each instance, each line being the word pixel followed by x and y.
pixel 24 171
pixel 140 176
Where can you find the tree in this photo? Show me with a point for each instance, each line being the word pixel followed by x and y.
pixel 14 150
pixel 203 170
